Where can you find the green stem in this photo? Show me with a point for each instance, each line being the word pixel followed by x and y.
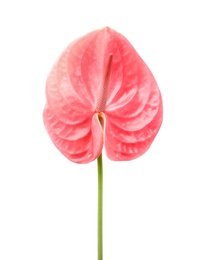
pixel 100 207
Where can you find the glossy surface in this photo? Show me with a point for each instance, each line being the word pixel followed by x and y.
pixel 101 72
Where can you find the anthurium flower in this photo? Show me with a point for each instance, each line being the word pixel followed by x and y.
pixel 100 77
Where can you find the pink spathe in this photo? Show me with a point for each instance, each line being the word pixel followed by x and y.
pixel 101 75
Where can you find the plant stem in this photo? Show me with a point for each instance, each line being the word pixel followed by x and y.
pixel 100 207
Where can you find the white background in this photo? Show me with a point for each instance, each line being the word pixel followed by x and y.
pixel 155 207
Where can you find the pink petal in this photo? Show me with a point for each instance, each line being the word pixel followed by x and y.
pixel 77 91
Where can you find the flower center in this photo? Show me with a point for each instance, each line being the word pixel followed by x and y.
pixel 102 97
